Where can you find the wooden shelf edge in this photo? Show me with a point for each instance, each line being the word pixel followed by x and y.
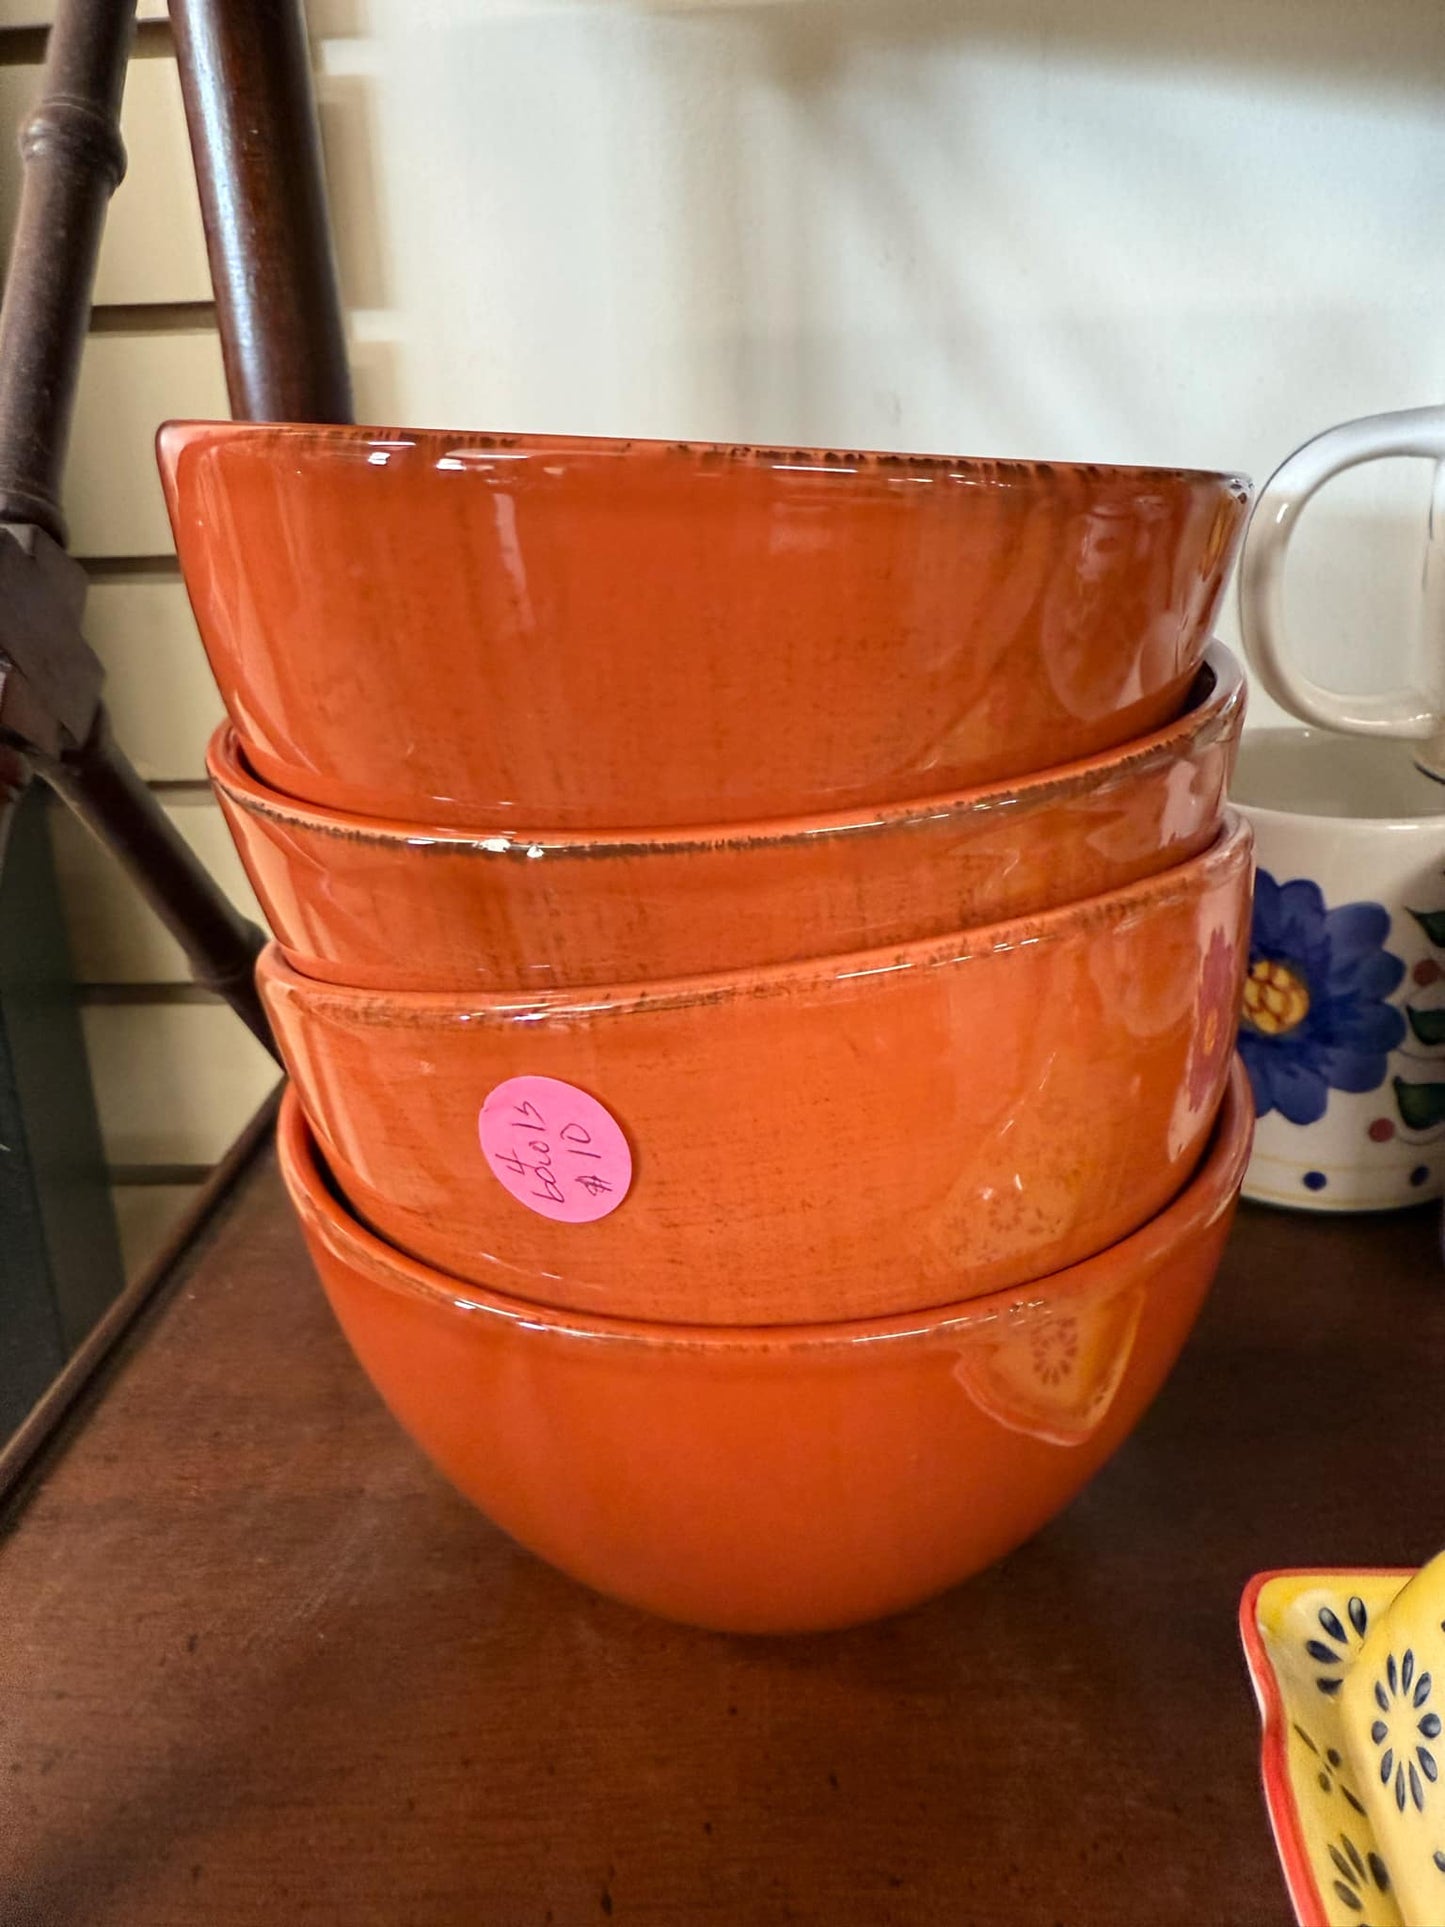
pixel 20 1453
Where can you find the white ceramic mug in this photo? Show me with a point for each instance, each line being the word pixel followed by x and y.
pixel 1343 1030
pixel 1418 714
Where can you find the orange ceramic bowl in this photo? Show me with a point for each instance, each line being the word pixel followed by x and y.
pixel 849 1137
pixel 785 1480
pixel 417 907
pixel 490 631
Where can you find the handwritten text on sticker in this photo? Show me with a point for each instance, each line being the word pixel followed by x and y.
pixel 557 1150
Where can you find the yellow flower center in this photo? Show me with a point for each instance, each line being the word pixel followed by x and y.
pixel 1276 998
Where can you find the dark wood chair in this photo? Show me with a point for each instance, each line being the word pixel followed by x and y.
pixel 246 80
pixel 247 86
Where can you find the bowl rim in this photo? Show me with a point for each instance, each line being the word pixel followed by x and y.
pixel 1209 1193
pixel 1358 829
pixel 881 465
pixel 1214 711
pixel 1180 883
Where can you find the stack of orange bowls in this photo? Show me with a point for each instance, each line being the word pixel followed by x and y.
pixel 758 939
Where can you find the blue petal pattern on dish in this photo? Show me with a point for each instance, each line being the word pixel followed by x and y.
pixel 1326 1655
pixel 1329 1770
pixel 1356 1871
pixel 1403 1693
pixel 1335 1031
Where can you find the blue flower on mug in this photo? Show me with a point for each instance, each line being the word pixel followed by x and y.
pixel 1315 1017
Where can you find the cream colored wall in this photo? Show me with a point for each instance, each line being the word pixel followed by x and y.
pixel 175 1075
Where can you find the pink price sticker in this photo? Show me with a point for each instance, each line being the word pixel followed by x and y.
pixel 557 1150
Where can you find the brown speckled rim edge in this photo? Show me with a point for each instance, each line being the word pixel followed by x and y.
pixel 1225 859
pixel 173 436
pixel 1215 710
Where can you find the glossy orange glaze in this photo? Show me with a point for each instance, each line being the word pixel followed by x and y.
pixel 841 1138
pixel 415 907
pixel 490 631
pixel 785 1480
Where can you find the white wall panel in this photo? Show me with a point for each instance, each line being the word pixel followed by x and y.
pixel 174 1083
pixel 163 700
pixel 129 385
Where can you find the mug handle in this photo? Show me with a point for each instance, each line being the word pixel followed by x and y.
pixel 1411 713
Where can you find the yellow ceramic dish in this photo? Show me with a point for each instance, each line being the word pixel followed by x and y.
pixel 1391 1704
pixel 1303 1633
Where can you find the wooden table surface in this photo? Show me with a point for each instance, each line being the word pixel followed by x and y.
pixel 258 1664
